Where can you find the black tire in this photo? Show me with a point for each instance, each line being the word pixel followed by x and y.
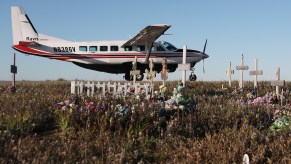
pixel 127 76
pixel 139 77
pixel 192 77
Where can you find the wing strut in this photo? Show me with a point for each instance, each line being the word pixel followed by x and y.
pixel 148 50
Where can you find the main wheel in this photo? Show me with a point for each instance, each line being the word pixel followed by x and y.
pixel 127 76
pixel 192 77
pixel 139 77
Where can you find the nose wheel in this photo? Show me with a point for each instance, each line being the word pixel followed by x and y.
pixel 192 76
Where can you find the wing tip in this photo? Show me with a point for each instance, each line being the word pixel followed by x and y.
pixel 161 25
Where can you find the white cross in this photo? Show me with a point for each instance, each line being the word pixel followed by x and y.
pixel 184 66
pixel 229 72
pixel 278 82
pixel 164 72
pixel 241 67
pixel 150 73
pixel 255 73
pixel 134 71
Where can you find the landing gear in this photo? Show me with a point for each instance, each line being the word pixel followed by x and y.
pixel 139 77
pixel 192 76
pixel 129 77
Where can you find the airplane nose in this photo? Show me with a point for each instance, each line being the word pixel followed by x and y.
pixel 204 56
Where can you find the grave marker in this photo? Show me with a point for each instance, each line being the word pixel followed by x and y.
pixel 13 71
pixel 134 71
pixel 278 83
pixel 229 72
pixel 242 67
pixel 255 73
pixel 164 73
pixel 150 73
pixel 184 66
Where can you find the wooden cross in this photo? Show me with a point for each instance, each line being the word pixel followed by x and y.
pixel 278 83
pixel 229 72
pixel 255 73
pixel 150 73
pixel 242 67
pixel 184 66
pixel 164 73
pixel 134 71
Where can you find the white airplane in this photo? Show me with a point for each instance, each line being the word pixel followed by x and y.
pixel 105 56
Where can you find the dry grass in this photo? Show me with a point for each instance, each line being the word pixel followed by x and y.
pixel 218 130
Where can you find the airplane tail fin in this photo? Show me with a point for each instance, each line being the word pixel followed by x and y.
pixel 22 28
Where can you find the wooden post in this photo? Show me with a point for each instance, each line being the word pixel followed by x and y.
pixel 93 89
pixel 242 67
pixel 278 78
pixel 184 66
pixel 151 73
pixel 103 89
pixel 229 72
pixel 278 82
pixel 14 72
pixel 73 87
pixel 255 73
pixel 81 87
pixel 134 71
pixel 164 73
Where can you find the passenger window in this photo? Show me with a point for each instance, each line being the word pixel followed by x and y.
pixel 93 48
pixel 103 48
pixel 160 48
pixel 153 48
pixel 113 48
pixel 83 48
pixel 127 48
pixel 140 48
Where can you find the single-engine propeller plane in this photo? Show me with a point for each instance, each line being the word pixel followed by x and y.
pixel 105 56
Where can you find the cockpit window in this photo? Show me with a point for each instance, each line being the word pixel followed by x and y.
pixel 169 46
pixel 160 48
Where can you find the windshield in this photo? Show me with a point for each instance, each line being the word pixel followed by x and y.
pixel 169 46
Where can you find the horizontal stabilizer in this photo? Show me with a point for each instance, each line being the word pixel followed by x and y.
pixel 31 44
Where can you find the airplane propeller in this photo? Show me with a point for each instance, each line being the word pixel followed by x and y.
pixel 204 53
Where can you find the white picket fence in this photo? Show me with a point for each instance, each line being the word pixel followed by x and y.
pixel 100 88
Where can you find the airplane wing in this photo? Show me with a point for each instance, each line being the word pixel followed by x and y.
pixel 147 36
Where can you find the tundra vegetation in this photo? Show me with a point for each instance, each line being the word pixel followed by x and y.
pixel 43 123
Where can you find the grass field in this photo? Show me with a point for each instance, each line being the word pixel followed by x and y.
pixel 38 125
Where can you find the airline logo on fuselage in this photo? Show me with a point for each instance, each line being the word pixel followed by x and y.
pixel 64 49
pixel 31 39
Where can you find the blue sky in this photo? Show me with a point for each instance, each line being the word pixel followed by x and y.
pixel 258 29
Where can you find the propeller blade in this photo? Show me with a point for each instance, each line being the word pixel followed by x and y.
pixel 203 67
pixel 205 46
pixel 204 53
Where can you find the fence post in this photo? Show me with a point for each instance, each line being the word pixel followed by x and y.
pixel 88 87
pixel 125 89
pixel 146 89
pixel 81 87
pixel 114 89
pixel 103 89
pixel 92 89
pixel 73 87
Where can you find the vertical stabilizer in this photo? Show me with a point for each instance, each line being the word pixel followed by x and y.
pixel 22 28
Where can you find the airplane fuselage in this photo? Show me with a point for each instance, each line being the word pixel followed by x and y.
pixel 107 56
